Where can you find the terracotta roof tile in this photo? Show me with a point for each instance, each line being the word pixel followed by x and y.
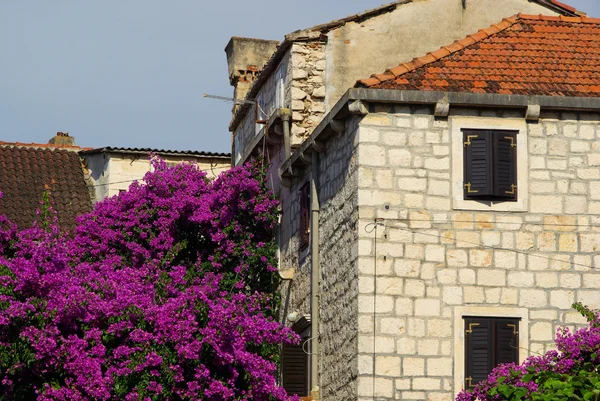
pixel 309 33
pixel 524 54
pixel 27 171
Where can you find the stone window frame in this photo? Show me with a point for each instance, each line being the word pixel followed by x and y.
pixel 457 124
pixel 460 312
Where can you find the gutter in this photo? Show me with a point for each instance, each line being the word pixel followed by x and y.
pixel 356 101
pixel 315 276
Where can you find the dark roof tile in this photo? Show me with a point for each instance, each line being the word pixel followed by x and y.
pixel 26 172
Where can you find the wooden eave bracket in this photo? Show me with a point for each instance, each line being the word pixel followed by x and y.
pixel 533 112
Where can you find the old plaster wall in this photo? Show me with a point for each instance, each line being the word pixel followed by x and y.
pixel 337 183
pixel 359 49
pixel 436 264
pixel 112 173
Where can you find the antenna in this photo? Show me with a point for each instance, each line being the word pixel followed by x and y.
pixel 229 99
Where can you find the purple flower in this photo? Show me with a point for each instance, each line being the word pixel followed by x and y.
pixel 162 292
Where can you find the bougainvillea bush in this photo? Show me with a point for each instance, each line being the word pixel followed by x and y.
pixel 163 292
pixel 571 372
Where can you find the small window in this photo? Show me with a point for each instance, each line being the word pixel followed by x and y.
pixel 304 216
pixel 490 165
pixel 488 343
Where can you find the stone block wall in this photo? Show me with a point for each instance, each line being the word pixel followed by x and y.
pixel 337 188
pixel 303 92
pixel 436 264
pixel 307 88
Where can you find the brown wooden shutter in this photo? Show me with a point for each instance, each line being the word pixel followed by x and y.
pixel 477 163
pixel 304 216
pixel 479 355
pixel 505 164
pixel 294 369
pixel 507 341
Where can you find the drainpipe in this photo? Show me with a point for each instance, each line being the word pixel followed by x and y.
pixel 286 135
pixel 315 276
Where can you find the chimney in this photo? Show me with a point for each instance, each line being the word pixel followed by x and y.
pixel 63 139
pixel 245 58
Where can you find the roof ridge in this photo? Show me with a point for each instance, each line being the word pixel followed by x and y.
pixel 40 145
pixel 444 51
pixel 540 17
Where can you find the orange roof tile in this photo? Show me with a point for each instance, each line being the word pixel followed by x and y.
pixel 524 54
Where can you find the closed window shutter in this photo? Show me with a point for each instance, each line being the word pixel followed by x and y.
pixel 505 164
pixel 477 163
pixel 507 341
pixel 294 369
pixel 478 350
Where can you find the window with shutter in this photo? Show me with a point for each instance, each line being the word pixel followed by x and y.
pixel 304 216
pixel 490 165
pixel 488 343
pixel 295 377
pixel 294 369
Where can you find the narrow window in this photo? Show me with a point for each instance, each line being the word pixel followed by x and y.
pixel 490 165
pixel 304 216
pixel 488 343
pixel 295 363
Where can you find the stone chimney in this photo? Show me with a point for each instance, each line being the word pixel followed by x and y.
pixel 245 58
pixel 62 138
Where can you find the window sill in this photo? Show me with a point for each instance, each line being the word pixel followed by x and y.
pixel 491 206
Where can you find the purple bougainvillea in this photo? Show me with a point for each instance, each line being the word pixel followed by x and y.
pixel 164 292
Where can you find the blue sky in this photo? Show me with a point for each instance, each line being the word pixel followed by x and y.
pixel 132 72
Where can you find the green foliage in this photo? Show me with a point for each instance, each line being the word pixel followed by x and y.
pixel 571 372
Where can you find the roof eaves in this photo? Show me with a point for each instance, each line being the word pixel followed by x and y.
pixel 562 6
pixel 328 26
pixel 163 152
pixel 415 97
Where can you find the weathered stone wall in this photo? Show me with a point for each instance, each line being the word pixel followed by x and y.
pixel 307 88
pixel 337 188
pixel 303 88
pixel 436 264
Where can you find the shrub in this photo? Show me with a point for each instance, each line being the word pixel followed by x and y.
pixel 163 292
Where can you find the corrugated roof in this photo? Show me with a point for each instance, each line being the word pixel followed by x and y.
pixel 522 55
pixel 166 152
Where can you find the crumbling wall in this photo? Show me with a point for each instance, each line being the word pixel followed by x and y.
pixel 307 88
